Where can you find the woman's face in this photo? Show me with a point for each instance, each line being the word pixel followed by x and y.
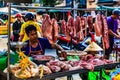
pixel 33 35
pixel 19 18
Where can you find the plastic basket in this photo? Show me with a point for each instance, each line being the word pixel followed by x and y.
pixel 2 32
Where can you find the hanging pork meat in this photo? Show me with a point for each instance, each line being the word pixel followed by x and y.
pixel 84 25
pixel 98 25
pixel 105 38
pixel 47 27
pixel 90 23
pixel 79 32
pixel 43 22
pixel 78 24
pixel 55 30
pixel 63 26
pixel 71 31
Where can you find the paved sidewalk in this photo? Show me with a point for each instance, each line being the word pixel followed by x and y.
pixel 3 43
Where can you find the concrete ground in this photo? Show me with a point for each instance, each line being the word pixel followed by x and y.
pixel 3 41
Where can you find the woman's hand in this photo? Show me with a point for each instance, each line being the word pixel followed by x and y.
pixel 62 55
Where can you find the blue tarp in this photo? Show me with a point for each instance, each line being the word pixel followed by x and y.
pixel 82 2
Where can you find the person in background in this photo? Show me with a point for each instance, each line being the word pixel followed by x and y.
pixel 29 20
pixel 112 30
pixel 118 26
pixel 16 27
pixel 37 45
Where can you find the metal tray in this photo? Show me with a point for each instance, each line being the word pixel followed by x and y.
pixel 38 59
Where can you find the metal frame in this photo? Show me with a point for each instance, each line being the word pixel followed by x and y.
pixel 9 17
pixel 31 7
pixel 67 73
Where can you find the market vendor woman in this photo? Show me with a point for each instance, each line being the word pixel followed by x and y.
pixel 37 45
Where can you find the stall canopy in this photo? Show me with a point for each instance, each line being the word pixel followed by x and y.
pixel 106 2
pixel 13 10
pixel 59 10
pixel 107 8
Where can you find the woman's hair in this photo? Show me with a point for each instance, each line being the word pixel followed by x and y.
pixel 30 28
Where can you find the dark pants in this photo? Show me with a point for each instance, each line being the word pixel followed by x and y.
pixel 109 50
pixel 16 37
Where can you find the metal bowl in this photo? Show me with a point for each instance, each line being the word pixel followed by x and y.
pixel 18 44
pixel 42 59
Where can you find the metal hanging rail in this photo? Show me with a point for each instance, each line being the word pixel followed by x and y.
pixel 31 7
pixel 59 8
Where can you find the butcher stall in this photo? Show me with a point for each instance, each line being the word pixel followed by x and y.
pixel 46 67
pixel 78 62
pixel 65 73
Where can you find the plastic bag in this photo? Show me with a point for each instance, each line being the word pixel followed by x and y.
pixel 93 75
pixel 114 73
pixel 3 62
pixel 96 75
pixel 117 77
pixel 75 57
